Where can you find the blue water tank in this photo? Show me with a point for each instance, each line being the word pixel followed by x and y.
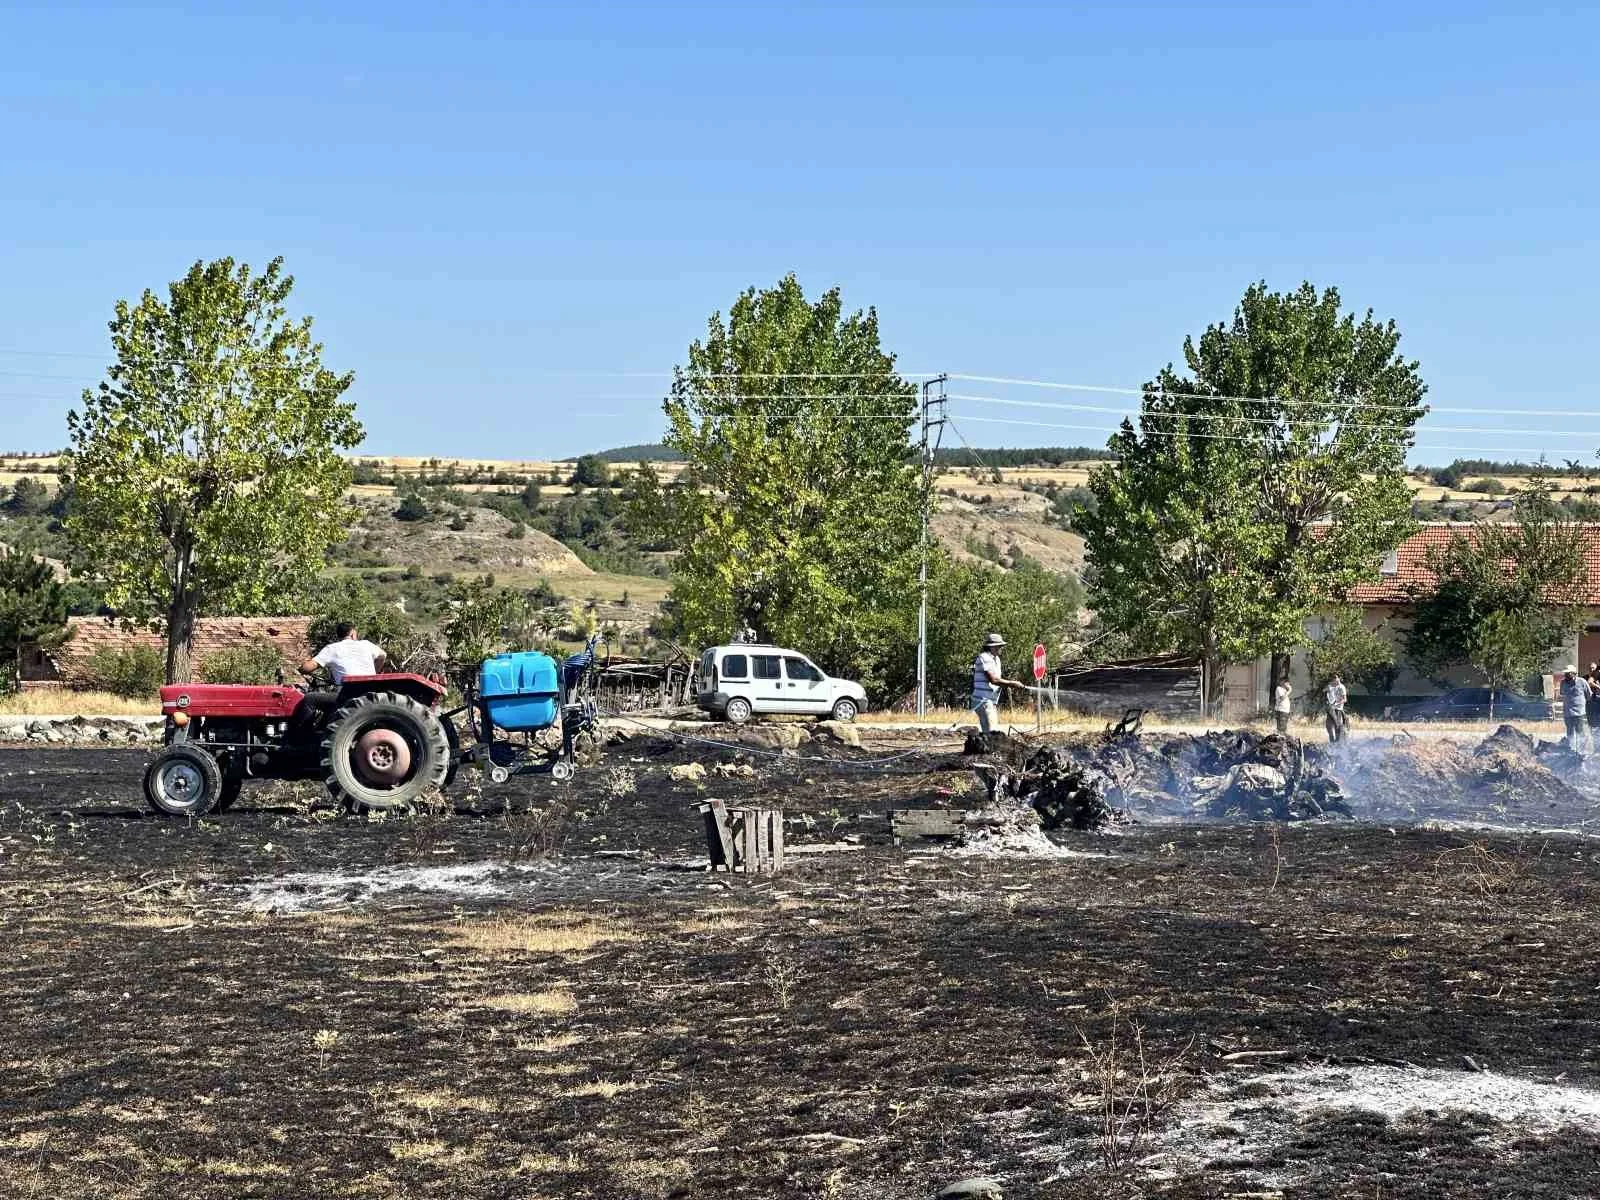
pixel 520 691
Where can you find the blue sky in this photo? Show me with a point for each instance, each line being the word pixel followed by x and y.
pixel 508 218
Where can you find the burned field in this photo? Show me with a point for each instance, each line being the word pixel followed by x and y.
pixel 531 991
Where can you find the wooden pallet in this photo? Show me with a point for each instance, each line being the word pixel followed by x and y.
pixel 749 840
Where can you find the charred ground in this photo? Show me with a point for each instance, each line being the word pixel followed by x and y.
pixel 239 1007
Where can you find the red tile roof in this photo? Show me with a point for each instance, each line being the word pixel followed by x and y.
pixel 1412 572
pixel 89 635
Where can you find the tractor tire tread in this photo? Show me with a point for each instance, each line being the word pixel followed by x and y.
pixel 428 779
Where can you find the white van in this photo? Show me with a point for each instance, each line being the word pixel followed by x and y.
pixel 741 680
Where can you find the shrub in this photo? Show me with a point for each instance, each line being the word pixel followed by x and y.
pixel 412 508
pixel 516 531
pixel 258 661
pixel 136 672
pixel 29 498
pixel 1488 486
pixel 591 471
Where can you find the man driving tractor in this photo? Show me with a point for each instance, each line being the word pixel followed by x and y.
pixel 348 654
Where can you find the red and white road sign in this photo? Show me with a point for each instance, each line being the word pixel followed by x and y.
pixel 1038 661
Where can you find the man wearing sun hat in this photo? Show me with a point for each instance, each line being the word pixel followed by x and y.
pixel 987 680
pixel 1575 694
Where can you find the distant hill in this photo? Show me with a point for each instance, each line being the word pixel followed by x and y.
pixel 643 452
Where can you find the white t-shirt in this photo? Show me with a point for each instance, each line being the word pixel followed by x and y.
pixel 1280 698
pixel 1337 696
pixel 349 657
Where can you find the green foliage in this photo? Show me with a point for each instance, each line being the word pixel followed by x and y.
pixel 799 511
pixel 1453 475
pixel 966 601
pixel 83 599
pixel 1259 487
pixel 133 672
pixel 412 508
pixel 347 598
pixel 639 452
pixel 591 471
pixel 258 661
pixel 33 608
pixel 1488 486
pixel 1508 596
pixel 1065 505
pixel 29 498
pixel 207 467
pixel 486 620
pixel 1348 648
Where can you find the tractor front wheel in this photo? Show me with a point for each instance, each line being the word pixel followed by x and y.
pixel 183 782
pixel 384 750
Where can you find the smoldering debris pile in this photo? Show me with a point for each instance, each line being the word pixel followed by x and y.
pixel 1089 782
pixel 1507 780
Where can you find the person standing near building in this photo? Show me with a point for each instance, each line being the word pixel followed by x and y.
pixel 1337 697
pixel 1593 680
pixel 988 678
pixel 1575 693
pixel 1282 705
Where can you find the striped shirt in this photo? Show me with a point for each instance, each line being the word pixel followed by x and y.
pixel 984 690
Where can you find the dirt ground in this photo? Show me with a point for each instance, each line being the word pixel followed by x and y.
pixel 533 992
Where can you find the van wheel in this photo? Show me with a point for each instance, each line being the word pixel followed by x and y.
pixel 738 711
pixel 844 709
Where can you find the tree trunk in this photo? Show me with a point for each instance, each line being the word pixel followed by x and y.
pixel 1213 669
pixel 180 639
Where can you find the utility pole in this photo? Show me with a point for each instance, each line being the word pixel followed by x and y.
pixel 932 402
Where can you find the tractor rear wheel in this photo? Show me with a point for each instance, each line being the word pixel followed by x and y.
pixel 384 750
pixel 182 781
pixel 231 786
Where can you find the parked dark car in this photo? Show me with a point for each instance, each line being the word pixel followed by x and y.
pixel 1471 704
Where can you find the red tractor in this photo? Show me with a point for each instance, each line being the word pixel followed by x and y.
pixel 378 741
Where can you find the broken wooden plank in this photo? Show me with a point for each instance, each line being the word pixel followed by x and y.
pixel 925 822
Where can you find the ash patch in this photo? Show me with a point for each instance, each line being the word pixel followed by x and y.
pixel 1258 1121
pixel 316 891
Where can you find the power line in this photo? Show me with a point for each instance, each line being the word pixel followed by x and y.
pixel 1158 393
pixel 971 449
pixel 1127 391
pixel 1182 416
pixel 1218 437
